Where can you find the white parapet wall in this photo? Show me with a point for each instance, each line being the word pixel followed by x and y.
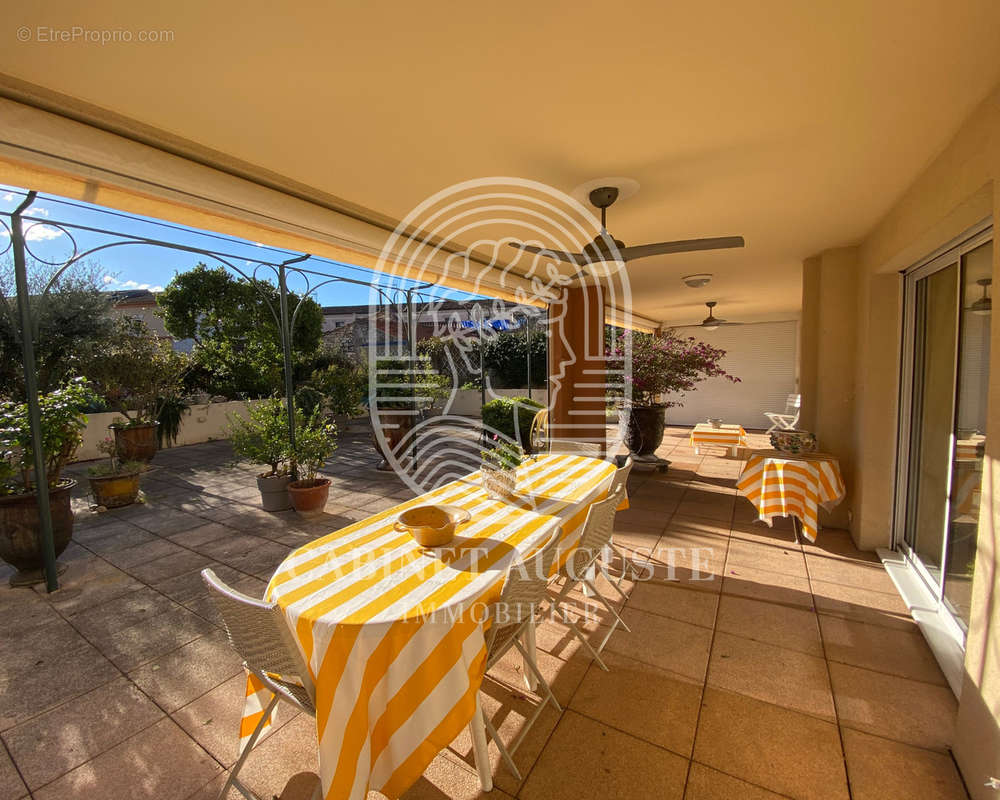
pixel 469 403
pixel 201 423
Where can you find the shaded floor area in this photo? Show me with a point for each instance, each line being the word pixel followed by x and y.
pixel 755 667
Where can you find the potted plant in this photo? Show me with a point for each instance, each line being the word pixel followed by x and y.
pixel 315 441
pixel 501 458
pixel 116 482
pixel 262 438
pixel 662 364
pixel 138 374
pixel 62 421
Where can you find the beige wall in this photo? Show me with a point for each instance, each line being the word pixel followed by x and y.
pixel 954 193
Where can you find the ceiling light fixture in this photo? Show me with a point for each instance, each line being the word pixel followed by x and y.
pixel 697 281
pixel 984 305
pixel 711 322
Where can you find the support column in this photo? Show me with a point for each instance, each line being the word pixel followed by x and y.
pixel 577 367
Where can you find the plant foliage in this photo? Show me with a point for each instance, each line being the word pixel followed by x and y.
pixel 511 416
pixel 262 436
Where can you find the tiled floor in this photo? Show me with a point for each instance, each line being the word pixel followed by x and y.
pixel 755 667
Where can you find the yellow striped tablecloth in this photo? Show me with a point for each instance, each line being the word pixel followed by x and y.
pixel 783 485
pixel 393 634
pixel 731 436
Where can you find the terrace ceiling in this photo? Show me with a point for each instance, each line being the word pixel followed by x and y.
pixel 796 124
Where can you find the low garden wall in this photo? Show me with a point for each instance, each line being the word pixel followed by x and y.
pixel 469 403
pixel 201 423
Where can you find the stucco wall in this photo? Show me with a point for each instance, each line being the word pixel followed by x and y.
pixel 201 423
pixel 955 192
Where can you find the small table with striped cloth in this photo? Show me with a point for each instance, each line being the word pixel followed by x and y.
pixel 732 436
pixel 393 634
pixel 786 485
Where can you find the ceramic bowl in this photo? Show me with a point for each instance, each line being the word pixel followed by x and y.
pixel 793 442
pixel 432 526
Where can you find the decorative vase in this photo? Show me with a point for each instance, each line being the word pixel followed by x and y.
pixel 309 496
pixel 115 491
pixel 642 428
pixel 394 429
pixel 274 492
pixel 499 483
pixel 20 530
pixel 136 442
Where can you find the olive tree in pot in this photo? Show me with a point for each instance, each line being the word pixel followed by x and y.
pixel 315 442
pixel 138 374
pixel 63 421
pixel 262 438
pixel 663 364
pixel 114 483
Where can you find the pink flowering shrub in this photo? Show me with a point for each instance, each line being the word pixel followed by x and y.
pixel 664 364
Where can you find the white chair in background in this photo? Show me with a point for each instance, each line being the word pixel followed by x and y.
pixel 258 633
pixel 788 419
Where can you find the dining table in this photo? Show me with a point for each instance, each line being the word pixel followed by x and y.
pixel 393 633
pixel 793 485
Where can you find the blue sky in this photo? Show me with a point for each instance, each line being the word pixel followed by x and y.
pixel 142 266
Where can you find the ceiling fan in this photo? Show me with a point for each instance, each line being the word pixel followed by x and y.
pixel 712 322
pixel 606 248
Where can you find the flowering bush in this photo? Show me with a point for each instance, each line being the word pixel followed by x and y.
pixel 664 364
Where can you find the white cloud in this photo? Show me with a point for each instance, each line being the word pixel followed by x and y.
pixel 36 211
pixel 117 284
pixel 108 279
pixel 8 197
pixel 36 232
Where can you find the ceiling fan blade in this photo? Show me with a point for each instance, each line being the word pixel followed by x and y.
pixel 560 255
pixel 683 246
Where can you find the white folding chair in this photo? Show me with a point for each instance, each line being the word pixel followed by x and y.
pixel 582 563
pixel 589 449
pixel 620 482
pixel 789 418
pixel 258 632
pixel 524 594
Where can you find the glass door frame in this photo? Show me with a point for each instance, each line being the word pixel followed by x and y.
pixel 951 253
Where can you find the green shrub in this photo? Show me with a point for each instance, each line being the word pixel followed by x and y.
pixel 511 416
pixel 262 437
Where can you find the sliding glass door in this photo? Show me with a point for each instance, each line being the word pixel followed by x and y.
pixel 946 353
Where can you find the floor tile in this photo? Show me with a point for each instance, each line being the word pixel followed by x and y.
pixel 907 711
pixel 642 700
pixel 52 744
pixel 11 785
pixel 899 652
pixel 774 557
pixel 160 763
pixel 770 587
pixel 879 768
pixel 180 676
pixel 586 759
pixel 786 678
pixel 676 602
pixel 852 602
pixel 130 647
pixel 662 642
pixel 775 748
pixel 784 626
pixel 705 783
pixel 848 572
pixel 448 777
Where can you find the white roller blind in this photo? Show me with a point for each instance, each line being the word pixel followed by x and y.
pixel 762 355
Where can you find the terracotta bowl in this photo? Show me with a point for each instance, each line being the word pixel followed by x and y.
pixel 432 526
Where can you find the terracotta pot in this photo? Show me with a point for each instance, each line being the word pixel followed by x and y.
pixel 114 491
pixel 394 428
pixel 136 442
pixel 643 428
pixel 274 492
pixel 309 497
pixel 20 528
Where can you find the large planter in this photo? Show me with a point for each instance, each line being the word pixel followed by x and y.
pixel 115 491
pixel 274 492
pixel 642 427
pixel 395 427
pixel 309 497
pixel 136 442
pixel 20 529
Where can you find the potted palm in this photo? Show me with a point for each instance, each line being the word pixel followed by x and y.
pixel 262 438
pixel 62 421
pixel 662 364
pixel 315 442
pixel 138 374
pixel 114 483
